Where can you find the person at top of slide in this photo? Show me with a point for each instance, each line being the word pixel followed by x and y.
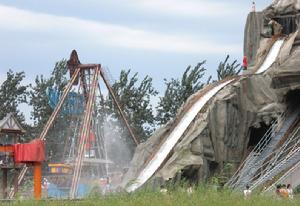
pixel 253 8
pixel 245 63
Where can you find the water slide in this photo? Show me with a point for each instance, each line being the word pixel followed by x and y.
pixel 173 138
pixel 271 57
pixel 178 131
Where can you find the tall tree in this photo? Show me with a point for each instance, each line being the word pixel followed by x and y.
pixel 179 90
pixel 39 101
pixel 42 111
pixel 135 100
pixel 38 94
pixel 227 69
pixel 12 94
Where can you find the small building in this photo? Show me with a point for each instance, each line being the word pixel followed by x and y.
pixel 10 126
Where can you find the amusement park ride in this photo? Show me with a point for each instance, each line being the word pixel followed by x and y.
pixel 84 148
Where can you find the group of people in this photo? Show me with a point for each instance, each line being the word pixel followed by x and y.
pixel 282 191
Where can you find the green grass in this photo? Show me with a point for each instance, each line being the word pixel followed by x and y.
pixel 201 197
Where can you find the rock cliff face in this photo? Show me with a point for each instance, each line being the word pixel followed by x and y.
pixel 235 119
pixel 253 29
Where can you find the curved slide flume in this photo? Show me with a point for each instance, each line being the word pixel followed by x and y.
pixel 173 138
pixel 271 57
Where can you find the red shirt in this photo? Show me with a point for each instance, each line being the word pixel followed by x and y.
pixel 245 62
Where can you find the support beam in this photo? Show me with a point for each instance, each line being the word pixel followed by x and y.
pixel 84 134
pixel 37 178
pixel 6 148
pixel 16 185
pixel 123 117
pixel 87 66
pixel 4 183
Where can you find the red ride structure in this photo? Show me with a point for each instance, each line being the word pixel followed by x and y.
pixel 85 77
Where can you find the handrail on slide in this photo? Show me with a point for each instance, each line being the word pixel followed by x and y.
pixel 173 138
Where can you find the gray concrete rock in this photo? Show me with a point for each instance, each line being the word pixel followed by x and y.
pixel 220 133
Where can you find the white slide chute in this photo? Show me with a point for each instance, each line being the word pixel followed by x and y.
pixel 173 138
pixel 271 57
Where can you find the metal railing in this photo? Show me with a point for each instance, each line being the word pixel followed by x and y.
pixel 282 178
pixel 280 156
pixel 279 167
pixel 265 140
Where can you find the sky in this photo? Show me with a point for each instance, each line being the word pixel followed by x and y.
pixel 159 38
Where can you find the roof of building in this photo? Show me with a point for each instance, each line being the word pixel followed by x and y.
pixel 9 124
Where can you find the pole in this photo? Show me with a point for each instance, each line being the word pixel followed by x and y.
pixel 136 141
pixel 37 178
pixel 4 183
pixel 84 134
pixel 16 186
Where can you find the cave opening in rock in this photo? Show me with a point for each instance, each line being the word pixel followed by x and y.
pixel 292 99
pixel 256 135
pixel 190 174
pixel 213 167
pixel 288 23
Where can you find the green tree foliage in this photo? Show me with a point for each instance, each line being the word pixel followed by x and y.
pixel 39 101
pixel 42 111
pixel 134 98
pixel 12 94
pixel 38 94
pixel 178 91
pixel 227 69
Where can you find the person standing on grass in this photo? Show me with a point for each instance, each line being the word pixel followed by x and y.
pixel 247 192
pixel 189 190
pixel 290 191
pixel 107 188
pixel 163 190
pixel 284 192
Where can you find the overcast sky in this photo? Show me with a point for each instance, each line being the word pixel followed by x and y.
pixel 155 37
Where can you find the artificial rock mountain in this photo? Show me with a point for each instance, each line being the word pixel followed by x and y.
pixel 221 133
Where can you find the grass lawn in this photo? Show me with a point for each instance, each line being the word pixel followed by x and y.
pixel 176 198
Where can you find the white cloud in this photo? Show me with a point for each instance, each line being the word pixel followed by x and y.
pixel 188 8
pixel 99 33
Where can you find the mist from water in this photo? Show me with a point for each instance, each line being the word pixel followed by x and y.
pixel 117 146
